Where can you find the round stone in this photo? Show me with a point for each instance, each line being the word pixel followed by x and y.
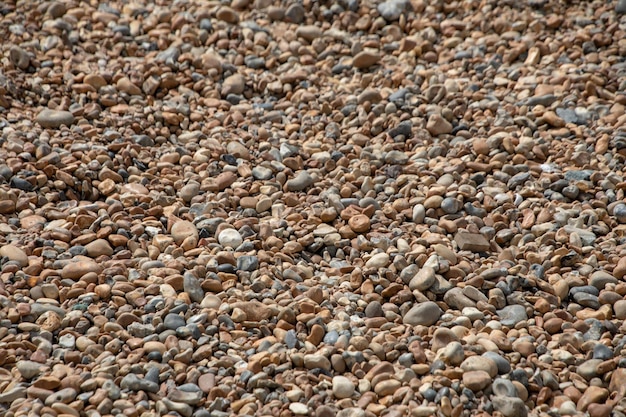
pixel 230 238
pixel 342 387
pixel 49 118
pixel 425 314
pixel 15 254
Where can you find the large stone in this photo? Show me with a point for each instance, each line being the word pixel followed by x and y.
pixel 425 314
pixel 53 119
pixel 99 247
pixel 510 407
pixel 423 280
pixel 342 387
pixel 476 380
pixel 183 230
pixel 76 270
pixel 15 254
pixel 473 242
pixel 437 125
pixel 365 59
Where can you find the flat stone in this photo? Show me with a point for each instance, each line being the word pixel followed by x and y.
pixel 29 369
pixel 13 253
pixel 342 387
pixel 480 363
pixel 437 125
pixel 423 280
pixel 314 361
pixel 76 270
pixel 365 59
pixel 230 238
pixel 510 407
pixel 300 182
pixel 54 119
pixel 191 285
pixel 378 261
pixel 185 231
pixel 473 242
pixel 476 380
pixel 99 247
pixel 425 314
pixel 133 383
pixel 511 315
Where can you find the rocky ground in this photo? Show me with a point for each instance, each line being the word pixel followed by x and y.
pixel 352 208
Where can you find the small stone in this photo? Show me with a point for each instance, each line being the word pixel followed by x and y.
pixel 510 407
pixel 133 383
pixel 359 223
pixel 227 14
pixel 600 279
pixel 480 363
pixel 425 314
pixel 342 387
pixel 299 409
pixel 19 57
pixel 185 231
pixel 29 369
pixel 15 254
pixel 191 285
pixel 476 380
pixel 374 309
pixel 453 354
pixel 473 242
pixel 314 361
pixel 503 388
pixel 7 397
pixel 54 119
pixel 599 410
pixel 379 260
pixel 234 84
pixel 97 81
pixel 511 315
pixel 365 59
pixel 247 263
pixel 391 10
pixel 309 32
pixel 125 85
pixel 387 387
pixel 437 125
pixel 76 270
pixel 295 13
pixel 300 182
pixel 620 269
pixel 173 321
pixel 99 247
pixel 592 395
pixel 230 238
pixel 255 311
pixel 423 280
pixel 189 191
pixel 620 309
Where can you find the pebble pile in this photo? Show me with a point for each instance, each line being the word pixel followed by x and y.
pixel 346 208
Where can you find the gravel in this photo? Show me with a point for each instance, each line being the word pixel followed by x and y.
pixel 351 208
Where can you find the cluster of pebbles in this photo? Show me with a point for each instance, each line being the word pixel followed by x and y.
pixel 289 208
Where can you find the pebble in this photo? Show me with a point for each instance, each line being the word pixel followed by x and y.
pixel 511 315
pixel 342 387
pixel 230 238
pixel 54 119
pixel 15 254
pixel 312 208
pixel 365 59
pixel 510 407
pixel 425 314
